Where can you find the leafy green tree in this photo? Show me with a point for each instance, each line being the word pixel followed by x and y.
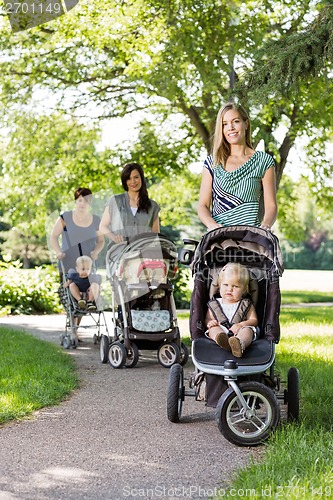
pixel 171 57
pixel 44 160
pixel 307 228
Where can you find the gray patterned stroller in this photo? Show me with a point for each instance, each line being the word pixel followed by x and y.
pixel 246 390
pixel 143 307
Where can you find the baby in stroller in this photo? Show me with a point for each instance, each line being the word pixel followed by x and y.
pixel 231 317
pixel 83 284
pixel 244 390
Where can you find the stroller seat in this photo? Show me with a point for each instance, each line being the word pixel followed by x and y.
pixel 209 357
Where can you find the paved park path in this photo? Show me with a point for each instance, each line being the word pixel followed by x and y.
pixel 111 439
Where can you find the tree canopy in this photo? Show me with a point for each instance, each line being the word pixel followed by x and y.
pixel 176 62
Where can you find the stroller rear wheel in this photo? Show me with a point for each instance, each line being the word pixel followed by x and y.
pixel 132 356
pixel 104 348
pixel 293 394
pixel 117 354
pixel 176 393
pixel 168 354
pixel 252 424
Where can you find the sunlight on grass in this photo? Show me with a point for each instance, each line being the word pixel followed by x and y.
pixel 33 374
pixel 298 459
pixel 295 297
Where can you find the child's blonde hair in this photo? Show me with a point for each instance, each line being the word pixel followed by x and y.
pixel 241 271
pixel 83 259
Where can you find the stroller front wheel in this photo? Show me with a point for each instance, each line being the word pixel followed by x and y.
pixel 104 348
pixel 132 356
pixel 176 393
pixel 117 355
pixel 252 424
pixel 168 354
pixel 66 342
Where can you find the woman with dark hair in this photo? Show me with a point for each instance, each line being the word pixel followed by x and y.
pixel 132 212
pixel 235 177
pixel 79 230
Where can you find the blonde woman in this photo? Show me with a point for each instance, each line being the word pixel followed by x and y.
pixel 235 176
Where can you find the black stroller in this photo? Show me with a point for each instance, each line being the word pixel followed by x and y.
pixel 245 391
pixel 143 307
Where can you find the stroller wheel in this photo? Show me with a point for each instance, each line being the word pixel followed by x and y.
pixel 132 356
pixel 104 348
pixel 176 393
pixel 293 394
pixel 117 355
pixel 168 354
pixel 66 342
pixel 184 354
pixel 252 425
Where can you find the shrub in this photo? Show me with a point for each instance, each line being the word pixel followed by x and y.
pixel 28 291
pixel 182 291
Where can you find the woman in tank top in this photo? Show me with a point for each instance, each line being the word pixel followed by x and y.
pixel 79 230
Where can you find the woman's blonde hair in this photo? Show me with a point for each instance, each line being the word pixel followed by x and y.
pixel 221 147
pixel 241 272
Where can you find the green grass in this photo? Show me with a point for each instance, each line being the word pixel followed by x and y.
pixel 295 297
pixel 33 374
pixel 297 462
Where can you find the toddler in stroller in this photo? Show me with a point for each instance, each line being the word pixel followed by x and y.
pixel 83 284
pixel 244 390
pixel 144 312
pixel 231 318
pixel 79 293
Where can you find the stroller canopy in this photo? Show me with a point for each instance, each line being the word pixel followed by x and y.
pixel 143 247
pixel 247 245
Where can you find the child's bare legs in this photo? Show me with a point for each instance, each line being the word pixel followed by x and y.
pixel 240 341
pixel 93 292
pixel 77 294
pixel 75 291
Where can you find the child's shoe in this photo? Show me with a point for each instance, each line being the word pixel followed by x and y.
pixel 222 340
pixel 81 304
pixel 236 345
pixel 91 306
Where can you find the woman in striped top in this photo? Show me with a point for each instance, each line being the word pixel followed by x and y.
pixel 235 176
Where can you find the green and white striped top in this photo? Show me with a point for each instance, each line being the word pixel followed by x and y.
pixel 236 194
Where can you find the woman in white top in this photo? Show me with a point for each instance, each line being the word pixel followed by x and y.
pixel 131 212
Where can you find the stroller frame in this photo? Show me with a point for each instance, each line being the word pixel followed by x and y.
pixel 68 339
pixel 248 390
pixel 139 271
